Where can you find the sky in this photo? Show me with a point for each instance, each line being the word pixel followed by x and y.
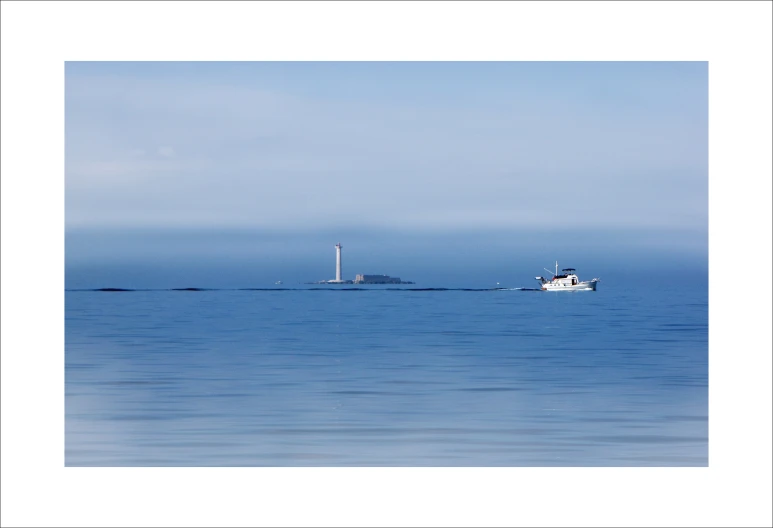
pixel 611 153
pixel 444 145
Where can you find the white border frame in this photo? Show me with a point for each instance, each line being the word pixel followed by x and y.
pixel 37 37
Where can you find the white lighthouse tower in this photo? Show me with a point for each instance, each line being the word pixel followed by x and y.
pixel 339 274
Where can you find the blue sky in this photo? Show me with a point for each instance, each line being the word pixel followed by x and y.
pixel 401 147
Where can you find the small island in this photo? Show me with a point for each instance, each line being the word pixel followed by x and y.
pixel 366 279
pixel 379 279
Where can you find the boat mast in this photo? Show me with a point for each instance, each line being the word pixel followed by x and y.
pixel 556 268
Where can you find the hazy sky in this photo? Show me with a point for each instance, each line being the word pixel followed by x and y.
pixel 426 146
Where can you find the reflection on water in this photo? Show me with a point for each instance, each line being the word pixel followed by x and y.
pixel 386 378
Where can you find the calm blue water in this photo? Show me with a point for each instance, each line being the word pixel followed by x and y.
pixel 617 377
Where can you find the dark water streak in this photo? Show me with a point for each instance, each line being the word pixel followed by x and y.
pixel 334 288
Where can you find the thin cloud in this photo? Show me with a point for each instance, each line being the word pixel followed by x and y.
pixel 166 152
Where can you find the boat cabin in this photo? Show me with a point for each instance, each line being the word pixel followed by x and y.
pixel 567 273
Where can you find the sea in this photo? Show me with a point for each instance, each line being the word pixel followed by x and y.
pixel 411 375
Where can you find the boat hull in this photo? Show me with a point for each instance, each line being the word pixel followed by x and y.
pixel 560 286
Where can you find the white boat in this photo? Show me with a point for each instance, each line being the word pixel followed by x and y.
pixel 566 281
